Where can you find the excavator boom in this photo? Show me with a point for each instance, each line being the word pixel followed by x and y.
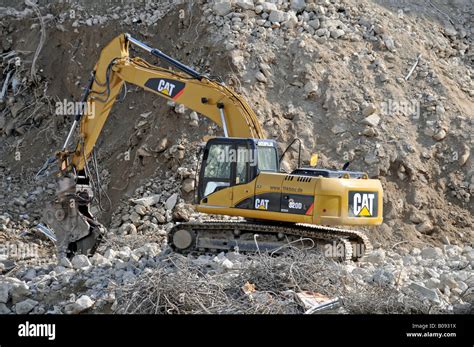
pixel 198 93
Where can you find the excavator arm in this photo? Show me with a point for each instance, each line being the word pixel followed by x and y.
pixel 198 93
pixel 77 230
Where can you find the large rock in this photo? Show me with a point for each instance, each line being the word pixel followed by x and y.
pixel 171 201
pixel 110 254
pixel 383 277
pixel 4 292
pixel 452 250
pixel 124 253
pixel 431 253
pixel 223 261
pixel 469 255
pixel 424 292
pixel 375 257
pixel 99 260
pixel 368 110
pixel 389 43
pixel 20 201
pixel 140 209
pixel 440 135
pixel 268 6
pixel 147 250
pixel 261 77
pixel 80 261
pixel 408 260
pixel 18 290
pixel 30 275
pixel 188 185
pixel 4 309
pixel 291 20
pixel 298 5
pixel 277 16
pixel 311 89
pixel 65 262
pixel 314 23
pixel 222 7
pixel 448 281
pixel 148 201
pixel 81 304
pixel 194 118
pixel 373 120
pixel 337 33
pixel 182 212
pixel 135 217
pixel 321 32
pixel 433 283
pixel 162 145
pixel 128 229
pixel 25 306
pixel 462 286
pixel 245 4
pixel 426 227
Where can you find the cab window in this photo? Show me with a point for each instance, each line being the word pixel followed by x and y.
pixel 217 172
pixel 242 167
pixel 267 158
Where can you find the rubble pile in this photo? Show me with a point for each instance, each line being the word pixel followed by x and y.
pixel 149 280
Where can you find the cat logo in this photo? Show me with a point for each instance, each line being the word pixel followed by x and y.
pixel 363 204
pixel 261 204
pixel 166 86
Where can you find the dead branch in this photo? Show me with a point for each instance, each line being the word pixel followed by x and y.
pixel 42 39
pixel 413 67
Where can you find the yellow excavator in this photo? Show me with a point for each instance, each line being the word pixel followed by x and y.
pixel 239 173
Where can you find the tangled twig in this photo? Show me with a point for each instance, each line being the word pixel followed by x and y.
pixel 180 285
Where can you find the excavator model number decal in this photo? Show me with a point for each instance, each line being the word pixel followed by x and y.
pixel 297 204
pixel 363 204
pixel 165 86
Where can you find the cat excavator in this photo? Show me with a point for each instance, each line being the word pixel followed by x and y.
pixel 239 172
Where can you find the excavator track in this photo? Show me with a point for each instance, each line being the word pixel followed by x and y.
pixel 246 237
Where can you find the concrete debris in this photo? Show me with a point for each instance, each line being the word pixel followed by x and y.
pixel 4 292
pixel 148 200
pixel 424 292
pixel 222 7
pixel 80 261
pixel 372 120
pixel 80 305
pixel 431 253
pixel 25 306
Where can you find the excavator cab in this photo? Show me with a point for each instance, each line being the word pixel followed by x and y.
pixel 241 177
pixel 230 162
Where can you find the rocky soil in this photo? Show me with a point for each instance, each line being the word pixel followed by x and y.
pixel 337 74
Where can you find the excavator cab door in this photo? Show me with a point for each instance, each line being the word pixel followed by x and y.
pixel 226 164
